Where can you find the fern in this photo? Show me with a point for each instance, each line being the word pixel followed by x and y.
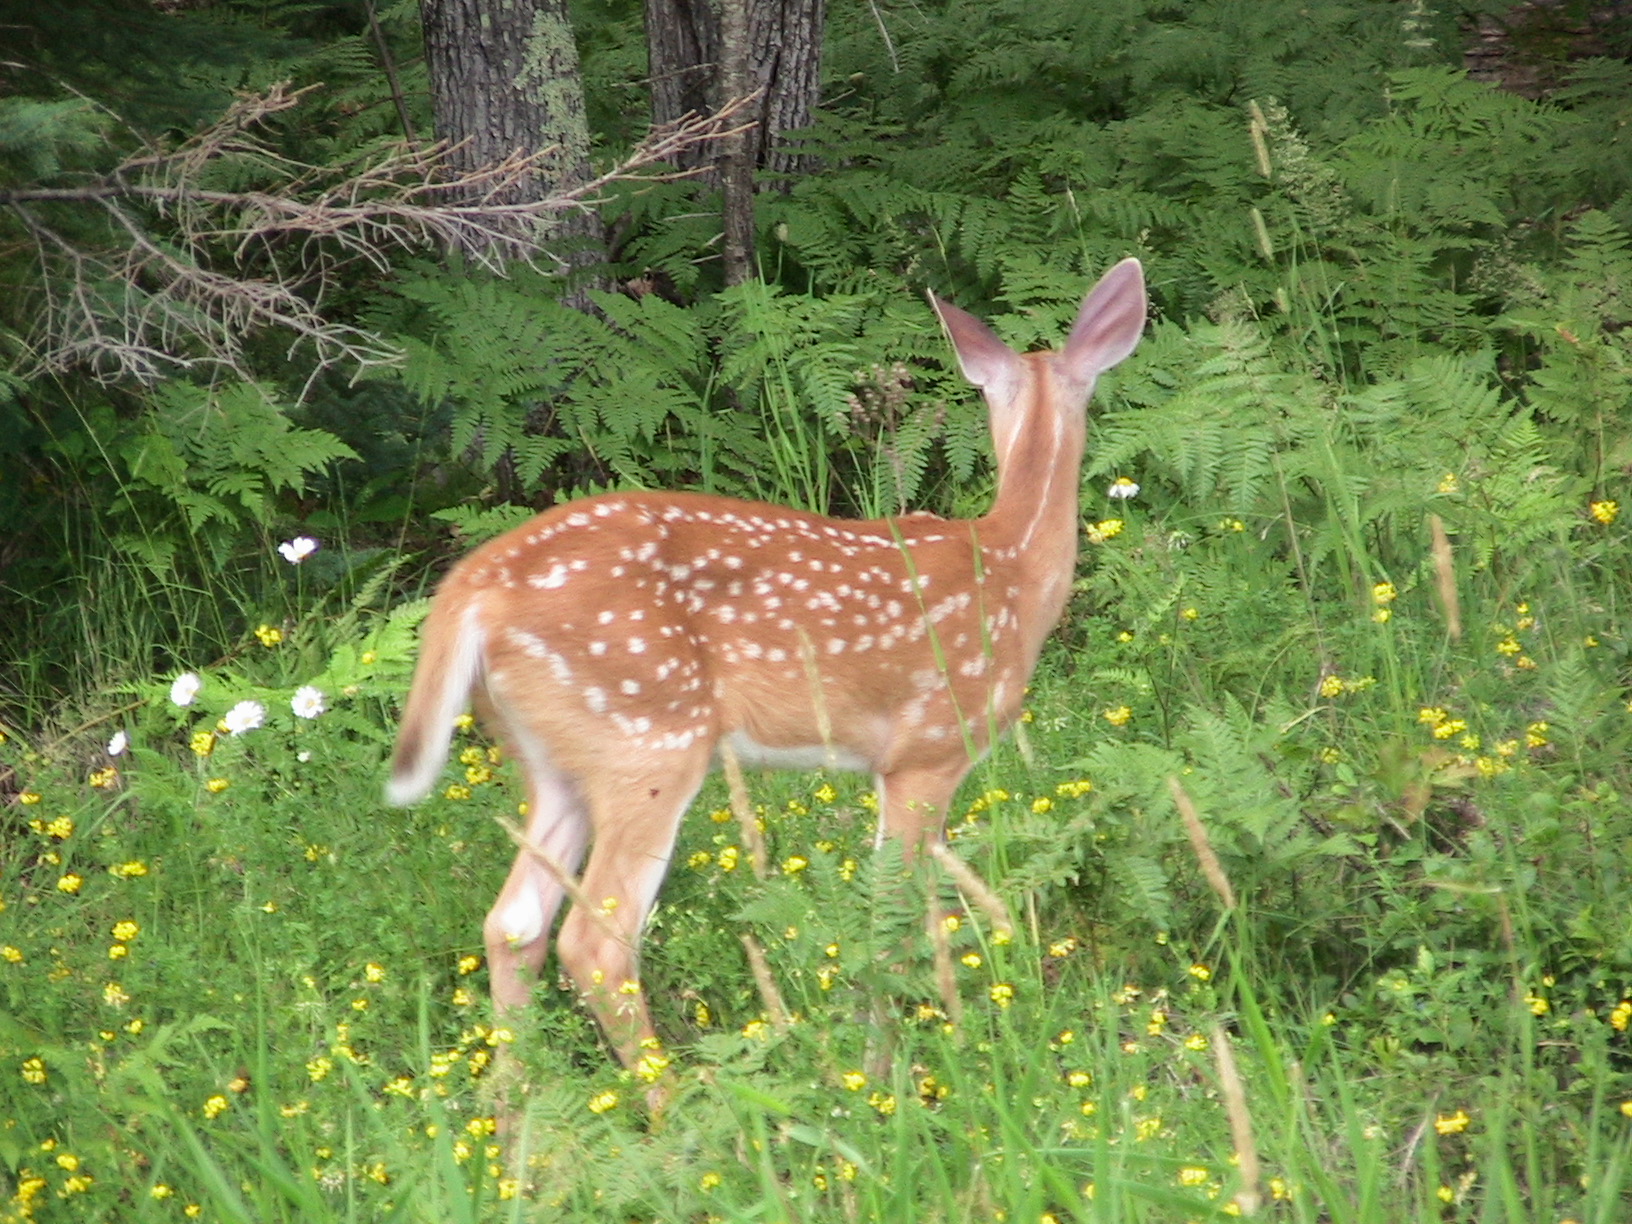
pixel 1522 498
pixel 1145 889
pixel 1215 436
pixel 221 454
pixel 1584 380
pixel 476 524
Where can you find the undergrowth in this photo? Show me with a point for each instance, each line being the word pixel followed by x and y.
pixel 1365 610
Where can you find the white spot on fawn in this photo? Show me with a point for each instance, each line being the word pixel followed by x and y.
pixel 555 578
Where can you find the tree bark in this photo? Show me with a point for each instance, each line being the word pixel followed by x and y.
pixel 682 50
pixel 784 58
pixel 736 166
pixel 505 76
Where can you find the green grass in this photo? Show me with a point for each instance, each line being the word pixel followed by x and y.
pixel 1420 981
pixel 235 987
pixel 1414 941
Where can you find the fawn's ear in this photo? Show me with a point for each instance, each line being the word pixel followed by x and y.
pixel 1110 322
pixel 986 361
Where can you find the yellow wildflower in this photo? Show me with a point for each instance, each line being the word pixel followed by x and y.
pixel 1452 1124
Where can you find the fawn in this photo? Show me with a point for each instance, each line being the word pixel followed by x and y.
pixel 613 644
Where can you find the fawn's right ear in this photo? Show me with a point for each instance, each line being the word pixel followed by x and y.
pixel 1110 322
pixel 986 361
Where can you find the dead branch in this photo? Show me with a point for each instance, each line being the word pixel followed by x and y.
pixel 188 273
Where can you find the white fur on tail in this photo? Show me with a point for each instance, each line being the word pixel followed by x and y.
pixel 428 723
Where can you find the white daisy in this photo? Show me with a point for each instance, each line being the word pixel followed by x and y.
pixel 245 716
pixel 308 702
pixel 298 549
pixel 185 688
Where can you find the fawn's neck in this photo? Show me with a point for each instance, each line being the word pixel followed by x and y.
pixel 1032 526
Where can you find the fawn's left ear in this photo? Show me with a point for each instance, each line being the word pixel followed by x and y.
pixel 1110 322
pixel 986 361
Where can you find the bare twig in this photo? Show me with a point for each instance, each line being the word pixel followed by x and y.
pixel 563 877
pixel 189 272
pixel 945 976
pixel 1445 572
pixel 975 888
pixel 1211 868
pixel 737 786
pixel 389 63
pixel 776 1011
pixel 1250 1196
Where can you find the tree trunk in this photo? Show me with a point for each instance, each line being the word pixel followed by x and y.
pixel 504 76
pixel 784 58
pixel 736 166
pixel 682 49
